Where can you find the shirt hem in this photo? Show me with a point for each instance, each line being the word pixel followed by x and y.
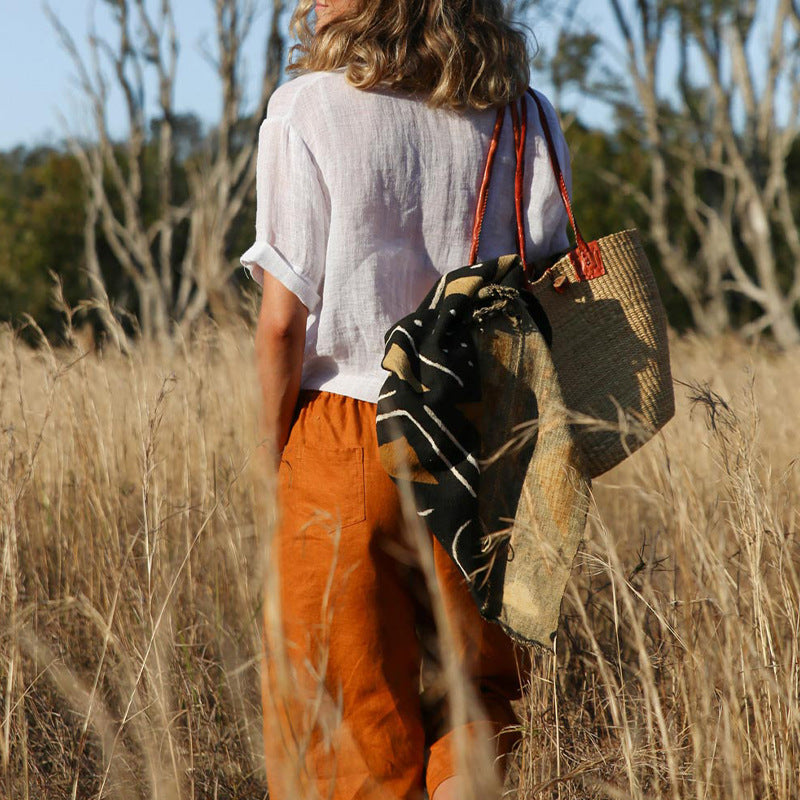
pixel 359 388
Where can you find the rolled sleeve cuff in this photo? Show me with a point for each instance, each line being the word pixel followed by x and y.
pixel 263 256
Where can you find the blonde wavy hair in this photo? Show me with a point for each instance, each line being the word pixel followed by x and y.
pixel 459 53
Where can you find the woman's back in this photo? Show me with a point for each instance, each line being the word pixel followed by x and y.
pixel 367 197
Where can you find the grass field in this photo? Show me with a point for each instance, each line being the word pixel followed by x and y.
pixel 133 518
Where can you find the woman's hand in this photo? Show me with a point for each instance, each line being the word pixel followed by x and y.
pixel 279 346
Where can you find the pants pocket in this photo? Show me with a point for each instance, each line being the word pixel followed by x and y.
pixel 323 485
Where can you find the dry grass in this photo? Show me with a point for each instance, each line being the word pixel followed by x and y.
pixel 133 522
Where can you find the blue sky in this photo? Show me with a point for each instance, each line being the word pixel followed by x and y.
pixel 37 79
pixel 38 94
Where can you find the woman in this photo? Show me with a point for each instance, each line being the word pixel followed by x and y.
pixel 369 168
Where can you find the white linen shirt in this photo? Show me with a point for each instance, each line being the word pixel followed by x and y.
pixel 365 198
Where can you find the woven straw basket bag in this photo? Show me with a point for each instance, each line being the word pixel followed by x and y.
pixel 509 388
pixel 610 345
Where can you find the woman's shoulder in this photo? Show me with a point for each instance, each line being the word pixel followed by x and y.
pixel 301 95
pixel 312 97
pixel 548 108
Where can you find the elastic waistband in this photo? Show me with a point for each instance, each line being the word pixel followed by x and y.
pixel 329 420
pixel 306 395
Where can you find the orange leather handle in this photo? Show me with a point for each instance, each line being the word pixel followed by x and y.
pixel 520 134
pixel 483 194
pixel 586 258
pixel 519 121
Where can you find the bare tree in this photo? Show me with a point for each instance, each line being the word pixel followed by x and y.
pixel 172 290
pixel 718 113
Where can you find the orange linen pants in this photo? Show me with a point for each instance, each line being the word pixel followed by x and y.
pixel 343 717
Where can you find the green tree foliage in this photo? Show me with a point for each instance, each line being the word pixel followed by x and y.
pixel 43 219
pixel 41 229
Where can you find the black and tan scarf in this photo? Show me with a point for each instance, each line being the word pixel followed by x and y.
pixel 472 418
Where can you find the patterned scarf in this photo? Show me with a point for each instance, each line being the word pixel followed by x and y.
pixel 472 418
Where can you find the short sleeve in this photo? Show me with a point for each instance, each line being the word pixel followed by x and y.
pixel 292 216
